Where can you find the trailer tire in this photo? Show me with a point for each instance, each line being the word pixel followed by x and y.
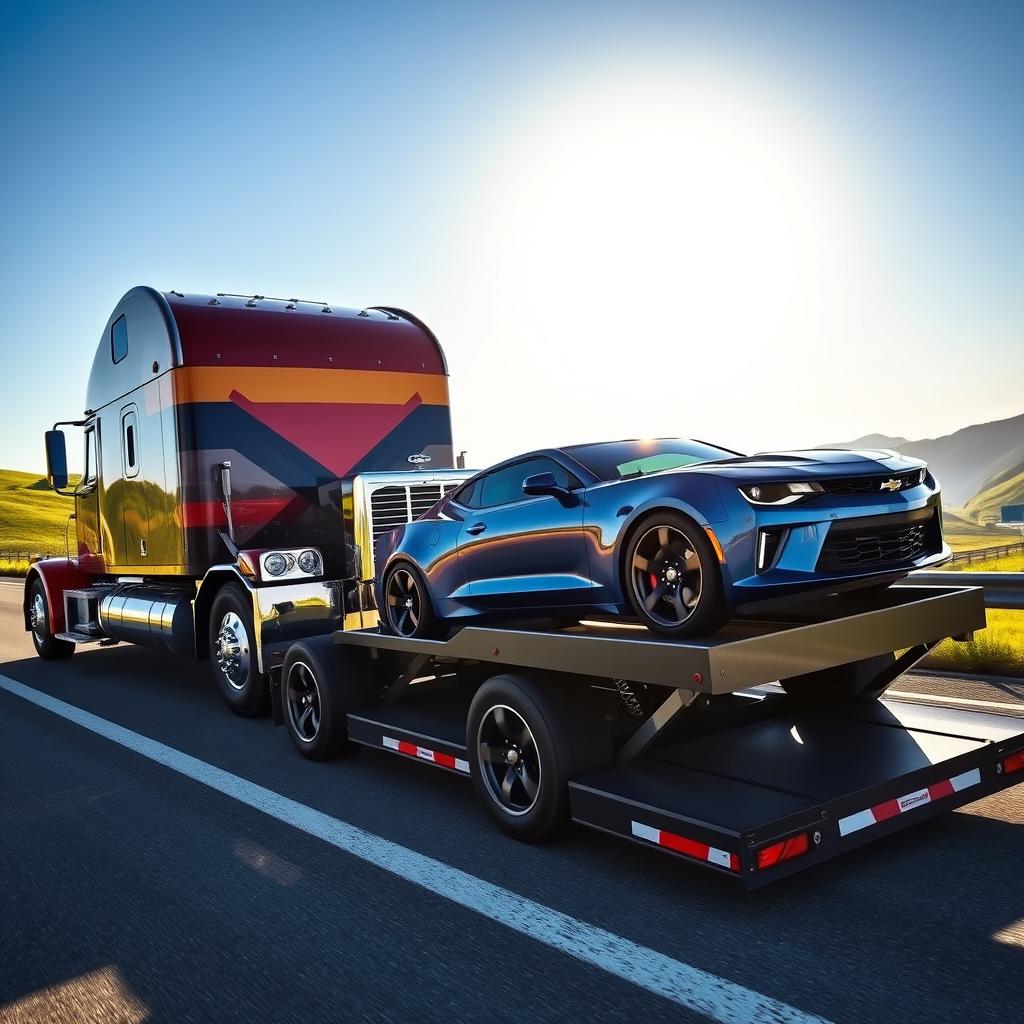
pixel 844 684
pixel 233 653
pixel 48 646
pixel 527 792
pixel 320 684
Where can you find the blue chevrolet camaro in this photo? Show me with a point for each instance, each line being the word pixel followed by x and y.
pixel 675 533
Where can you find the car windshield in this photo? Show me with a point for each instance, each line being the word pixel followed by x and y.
pixel 620 460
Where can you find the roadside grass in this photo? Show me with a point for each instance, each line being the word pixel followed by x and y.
pixel 997 650
pixel 1005 563
pixel 33 519
pixel 976 541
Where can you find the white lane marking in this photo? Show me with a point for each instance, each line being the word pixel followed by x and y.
pixel 687 986
pixel 930 697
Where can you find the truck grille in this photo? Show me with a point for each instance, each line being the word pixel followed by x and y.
pixel 873 547
pixel 846 486
pixel 396 504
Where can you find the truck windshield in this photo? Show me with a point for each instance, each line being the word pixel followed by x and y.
pixel 621 460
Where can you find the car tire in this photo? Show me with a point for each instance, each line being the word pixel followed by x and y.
pixel 844 684
pixel 320 684
pixel 232 648
pixel 48 646
pixel 407 609
pixel 565 736
pixel 670 574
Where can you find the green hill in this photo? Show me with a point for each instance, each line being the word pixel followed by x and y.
pixel 32 518
pixel 1008 490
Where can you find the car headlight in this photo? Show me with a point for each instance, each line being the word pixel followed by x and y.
pixel 277 564
pixel 778 494
pixel 309 561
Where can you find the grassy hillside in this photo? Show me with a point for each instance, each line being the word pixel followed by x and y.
pixel 32 517
pixel 1007 490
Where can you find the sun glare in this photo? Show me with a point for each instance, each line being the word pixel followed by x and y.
pixel 688 222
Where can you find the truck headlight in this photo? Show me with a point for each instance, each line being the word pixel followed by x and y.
pixel 277 564
pixel 778 494
pixel 309 561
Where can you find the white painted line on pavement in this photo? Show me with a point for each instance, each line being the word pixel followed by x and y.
pixel 936 697
pixel 687 986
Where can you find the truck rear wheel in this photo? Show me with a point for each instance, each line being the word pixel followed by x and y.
pixel 48 647
pixel 233 653
pixel 527 736
pixel 320 685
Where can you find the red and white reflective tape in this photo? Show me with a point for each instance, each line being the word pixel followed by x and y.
pixel 425 754
pixel 688 847
pixel 920 797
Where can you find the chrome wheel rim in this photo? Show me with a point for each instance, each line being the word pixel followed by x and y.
pixel 404 602
pixel 509 760
pixel 302 697
pixel 231 651
pixel 37 616
pixel 666 575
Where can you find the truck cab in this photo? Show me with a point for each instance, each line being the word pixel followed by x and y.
pixel 241 453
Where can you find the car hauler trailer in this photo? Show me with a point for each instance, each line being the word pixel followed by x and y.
pixel 241 455
pixel 684 747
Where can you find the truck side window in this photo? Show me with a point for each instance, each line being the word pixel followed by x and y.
pixel 90 470
pixel 130 443
pixel 119 339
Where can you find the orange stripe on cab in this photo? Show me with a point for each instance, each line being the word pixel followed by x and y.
pixel 306 384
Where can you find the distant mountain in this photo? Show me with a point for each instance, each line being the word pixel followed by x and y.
pixel 969 462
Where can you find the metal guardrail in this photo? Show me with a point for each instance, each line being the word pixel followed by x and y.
pixel 1002 589
pixel 981 554
pixel 22 556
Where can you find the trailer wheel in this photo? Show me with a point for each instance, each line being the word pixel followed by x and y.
pixel 320 685
pixel 844 684
pixel 233 653
pixel 48 647
pixel 527 736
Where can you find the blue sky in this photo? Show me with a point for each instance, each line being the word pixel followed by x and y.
pixel 767 224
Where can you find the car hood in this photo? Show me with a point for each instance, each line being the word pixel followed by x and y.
pixel 814 463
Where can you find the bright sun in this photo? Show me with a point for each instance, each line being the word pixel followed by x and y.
pixel 676 223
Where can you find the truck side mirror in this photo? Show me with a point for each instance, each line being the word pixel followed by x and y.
pixel 56 460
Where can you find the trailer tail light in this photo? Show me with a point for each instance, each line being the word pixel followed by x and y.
pixel 1013 763
pixel 787 849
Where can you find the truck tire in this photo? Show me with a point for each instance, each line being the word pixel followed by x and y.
pixel 320 684
pixel 527 736
pixel 844 684
pixel 233 653
pixel 47 646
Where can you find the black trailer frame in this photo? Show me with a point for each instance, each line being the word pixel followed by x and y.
pixel 720 768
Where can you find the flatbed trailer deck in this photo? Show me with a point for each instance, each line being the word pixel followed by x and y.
pixel 705 762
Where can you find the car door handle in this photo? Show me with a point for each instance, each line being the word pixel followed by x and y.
pixel 476 528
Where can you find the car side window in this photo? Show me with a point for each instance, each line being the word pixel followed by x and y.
pixel 505 485
pixel 466 496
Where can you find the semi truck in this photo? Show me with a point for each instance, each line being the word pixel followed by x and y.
pixel 242 454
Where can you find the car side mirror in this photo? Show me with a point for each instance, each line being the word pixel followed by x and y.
pixel 544 483
pixel 56 460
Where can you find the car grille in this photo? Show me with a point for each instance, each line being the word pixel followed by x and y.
pixel 846 486
pixel 396 504
pixel 873 547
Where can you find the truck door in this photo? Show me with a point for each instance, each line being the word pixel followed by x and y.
pixel 87 506
pixel 134 511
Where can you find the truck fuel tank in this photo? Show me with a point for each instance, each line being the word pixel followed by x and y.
pixel 150 615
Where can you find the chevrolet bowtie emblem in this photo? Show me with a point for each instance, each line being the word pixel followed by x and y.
pixel 890 485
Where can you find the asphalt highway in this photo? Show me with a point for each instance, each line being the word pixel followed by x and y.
pixel 137 885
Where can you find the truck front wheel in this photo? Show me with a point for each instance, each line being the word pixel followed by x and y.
pixel 233 653
pixel 48 647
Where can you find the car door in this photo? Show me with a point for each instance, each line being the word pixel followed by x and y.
pixel 522 551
